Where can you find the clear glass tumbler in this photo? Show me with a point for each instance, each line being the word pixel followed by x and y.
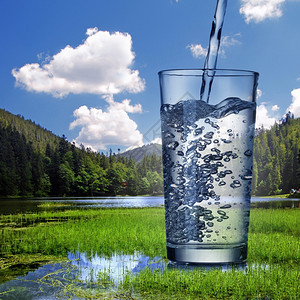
pixel 207 164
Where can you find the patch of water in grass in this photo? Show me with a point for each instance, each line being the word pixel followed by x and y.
pixel 82 277
pixel 115 267
pixel 91 276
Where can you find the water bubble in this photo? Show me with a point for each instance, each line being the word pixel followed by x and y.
pixel 198 131
pixel 216 150
pixel 248 152
pixel 221 212
pixel 222 174
pixel 209 135
pixel 172 145
pixel 234 156
pixel 228 153
pixel 235 184
pixel 229 130
pixel 247 176
pixel 226 141
pixel 221 183
pixel 225 206
pixel 216 141
pixel 168 134
pixel 210 224
pixel 180 153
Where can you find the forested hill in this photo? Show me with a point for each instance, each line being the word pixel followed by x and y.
pixel 35 162
pixel 276 166
pixel 33 133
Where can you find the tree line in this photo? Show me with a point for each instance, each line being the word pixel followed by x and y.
pixel 65 170
pixel 276 161
pixel 35 162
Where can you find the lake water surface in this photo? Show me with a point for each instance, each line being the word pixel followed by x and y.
pixel 47 282
pixel 26 205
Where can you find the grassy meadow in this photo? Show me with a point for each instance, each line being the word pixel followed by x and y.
pixel 273 256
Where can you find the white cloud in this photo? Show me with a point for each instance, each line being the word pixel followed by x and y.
pixel 259 10
pixel 263 118
pixel 100 65
pixel 156 141
pixel 124 105
pixel 227 40
pixel 258 93
pixel 199 51
pixel 295 105
pixel 111 127
pixel 275 107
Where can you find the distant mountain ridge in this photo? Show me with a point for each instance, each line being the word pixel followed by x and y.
pixel 137 154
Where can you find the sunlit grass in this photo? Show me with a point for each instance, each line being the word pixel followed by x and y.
pixel 273 257
pixel 255 282
pixel 93 231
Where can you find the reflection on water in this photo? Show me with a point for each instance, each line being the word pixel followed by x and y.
pixel 26 205
pixel 115 266
pixel 95 274
pixel 82 272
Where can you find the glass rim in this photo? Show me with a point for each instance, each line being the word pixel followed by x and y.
pixel 231 72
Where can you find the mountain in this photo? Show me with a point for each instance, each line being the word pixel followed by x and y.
pixel 36 162
pixel 33 133
pixel 137 154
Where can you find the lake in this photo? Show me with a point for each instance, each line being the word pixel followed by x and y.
pixel 83 271
pixel 25 205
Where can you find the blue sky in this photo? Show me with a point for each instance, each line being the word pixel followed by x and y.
pixel 88 69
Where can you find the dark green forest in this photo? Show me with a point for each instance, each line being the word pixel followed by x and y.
pixel 276 161
pixel 35 162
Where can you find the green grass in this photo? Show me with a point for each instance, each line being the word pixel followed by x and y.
pixel 273 257
pixel 103 231
pixel 256 282
pixel 275 196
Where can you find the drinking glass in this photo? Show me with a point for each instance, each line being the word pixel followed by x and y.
pixel 207 163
